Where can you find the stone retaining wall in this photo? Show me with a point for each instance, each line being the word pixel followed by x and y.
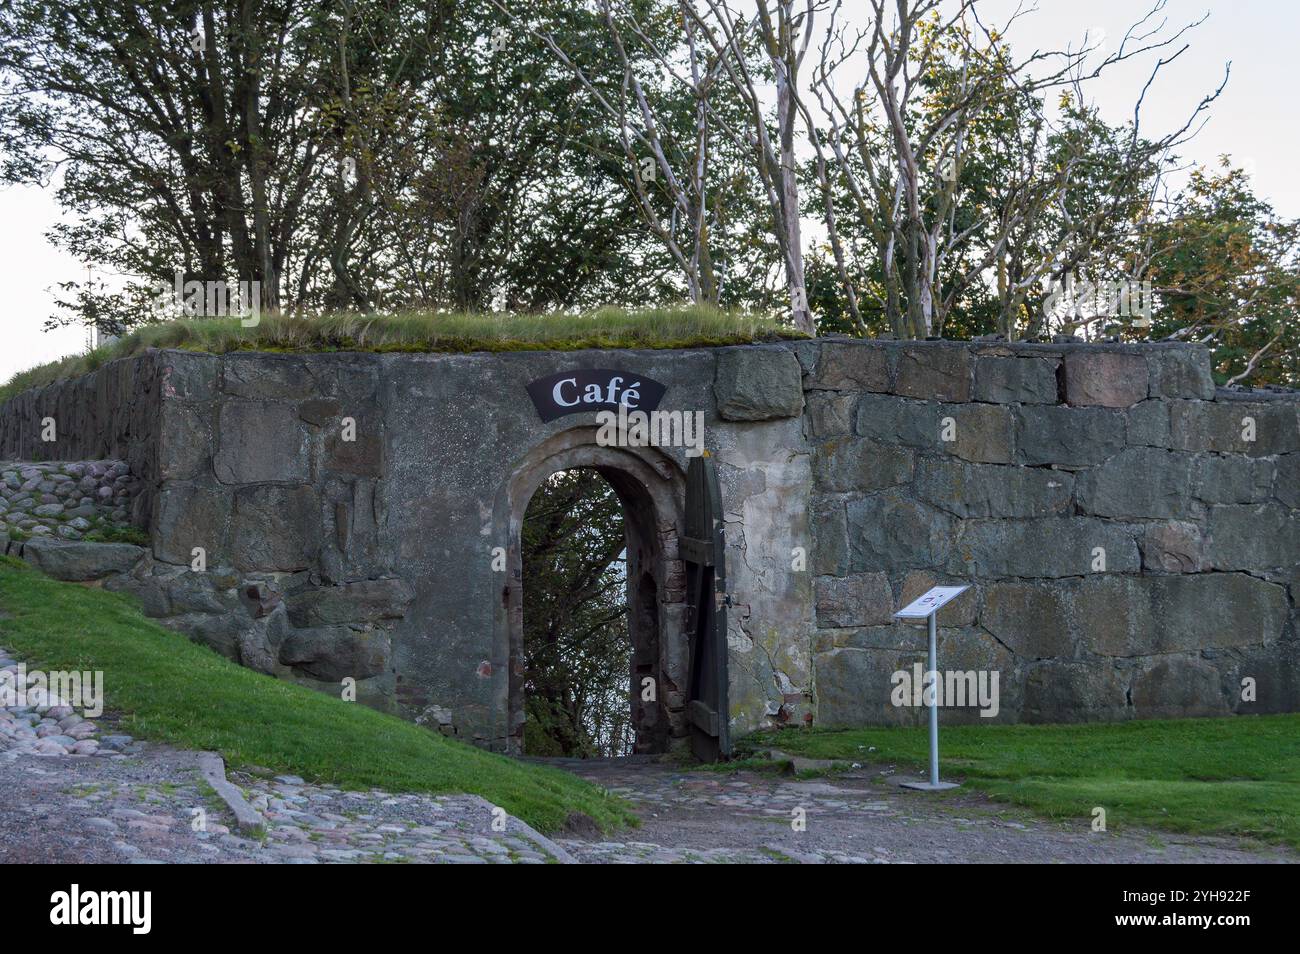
pixel 1130 532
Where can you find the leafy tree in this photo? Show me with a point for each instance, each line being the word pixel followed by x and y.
pixel 577 653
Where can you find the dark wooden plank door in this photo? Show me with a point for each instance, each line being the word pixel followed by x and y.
pixel 704 551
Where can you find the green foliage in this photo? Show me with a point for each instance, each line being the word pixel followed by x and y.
pixel 577 654
pixel 1237 776
pixel 172 690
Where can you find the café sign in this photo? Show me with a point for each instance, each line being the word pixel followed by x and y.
pixel 593 389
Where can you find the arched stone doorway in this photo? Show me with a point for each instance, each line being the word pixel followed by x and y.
pixel 651 489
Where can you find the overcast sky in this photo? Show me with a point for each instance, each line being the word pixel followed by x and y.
pixel 1257 121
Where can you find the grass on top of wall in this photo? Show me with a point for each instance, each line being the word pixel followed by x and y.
pixel 169 689
pixel 678 326
pixel 1228 776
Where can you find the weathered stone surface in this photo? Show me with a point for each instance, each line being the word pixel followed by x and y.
pixel 830 414
pixel 1104 378
pixel 1015 380
pixel 78 561
pixel 364 601
pixel 1067 436
pixel 321 411
pixel 856 464
pixel 862 599
pixel 363 455
pixel 1112 615
pixel 185 441
pixel 986 490
pixel 1028 618
pixel 830 533
pixel 982 431
pixel 189 377
pixel 1137 482
pixel 261 377
pixel 1228 427
pixel 1232 479
pixel 274 528
pixel 1148 424
pixel 891 531
pixel 1050 547
pixel 1253 537
pixel 845 366
pixel 893 421
pixel 1173 547
pixel 1180 371
pixel 1286 485
pixel 1178 687
pixel 259 442
pixel 189 516
pixel 1216 609
pixel 334 653
pixel 758 384
pixel 934 371
pixel 1067 691
pixel 853 687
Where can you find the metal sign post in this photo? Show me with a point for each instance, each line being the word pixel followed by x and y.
pixel 926 607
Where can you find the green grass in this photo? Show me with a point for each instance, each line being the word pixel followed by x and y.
pixel 170 689
pixel 680 326
pixel 1234 776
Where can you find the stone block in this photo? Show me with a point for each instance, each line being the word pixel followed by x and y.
pixel 1180 371
pixel 830 414
pixel 863 599
pixel 856 464
pixel 1016 380
pixel 334 653
pixel 1253 537
pixel 1173 547
pixel 259 442
pixel 758 384
pixel 1067 436
pixel 1070 691
pixel 188 376
pixel 1094 378
pixel 184 441
pixel 890 531
pixel 982 432
pixel 268 377
pixel 364 601
pixel 1028 618
pixel 1232 427
pixel 1148 424
pixel 1178 687
pixel 78 561
pixel 934 371
pixel 189 516
pixel 275 528
pixel 892 420
pixel 1286 485
pixel 1137 482
pixel 850 366
pixel 830 536
pixel 988 490
pixel 1218 610
pixel 854 686
pixel 1233 479
pixel 1112 615
pixel 1050 547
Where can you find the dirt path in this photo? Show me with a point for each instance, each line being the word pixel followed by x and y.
pixel 857 818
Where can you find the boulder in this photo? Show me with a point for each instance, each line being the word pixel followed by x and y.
pixel 80 561
pixel 758 384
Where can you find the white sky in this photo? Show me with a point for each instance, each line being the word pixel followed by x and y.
pixel 1256 120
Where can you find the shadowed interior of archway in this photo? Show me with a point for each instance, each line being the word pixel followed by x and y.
pixel 590 620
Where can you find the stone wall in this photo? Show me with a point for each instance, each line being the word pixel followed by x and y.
pixel 1130 532
pixel 1132 535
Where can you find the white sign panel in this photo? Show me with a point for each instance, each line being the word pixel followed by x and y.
pixel 923 606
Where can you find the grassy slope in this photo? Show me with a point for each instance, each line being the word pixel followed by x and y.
pixel 668 327
pixel 1237 776
pixel 173 690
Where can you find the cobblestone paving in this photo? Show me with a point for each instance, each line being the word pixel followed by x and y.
pixel 861 817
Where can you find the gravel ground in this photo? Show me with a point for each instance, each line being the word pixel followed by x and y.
pixel 863 817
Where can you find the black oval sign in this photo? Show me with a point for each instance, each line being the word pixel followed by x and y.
pixel 593 389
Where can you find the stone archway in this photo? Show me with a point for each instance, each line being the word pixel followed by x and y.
pixel 651 489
